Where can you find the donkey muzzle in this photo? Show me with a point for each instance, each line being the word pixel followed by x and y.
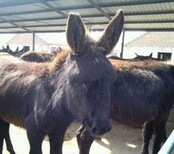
pixel 100 127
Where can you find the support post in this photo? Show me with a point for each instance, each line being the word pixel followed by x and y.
pixel 122 44
pixel 33 45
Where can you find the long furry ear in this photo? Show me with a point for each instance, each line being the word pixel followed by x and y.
pixel 17 49
pixel 150 56
pixel 75 33
pixel 8 47
pixel 112 32
pixel 3 48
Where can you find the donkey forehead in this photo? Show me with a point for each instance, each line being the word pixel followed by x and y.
pixel 91 67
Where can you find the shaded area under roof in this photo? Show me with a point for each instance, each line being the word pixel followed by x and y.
pixel 31 16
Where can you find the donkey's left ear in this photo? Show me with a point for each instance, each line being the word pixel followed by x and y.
pixel 17 49
pixel 75 33
pixel 112 32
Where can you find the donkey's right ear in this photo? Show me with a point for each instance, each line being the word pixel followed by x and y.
pixel 8 47
pixel 150 56
pixel 112 32
pixel 75 33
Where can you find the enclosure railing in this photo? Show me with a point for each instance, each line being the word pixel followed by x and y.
pixel 168 146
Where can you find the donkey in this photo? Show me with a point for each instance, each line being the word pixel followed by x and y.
pixel 142 93
pixel 16 53
pixel 8 50
pixel 38 56
pixel 44 98
pixel 4 126
pixel 142 57
pixel 138 57
pixel 27 56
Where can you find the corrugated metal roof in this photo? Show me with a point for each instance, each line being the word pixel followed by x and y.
pixel 20 16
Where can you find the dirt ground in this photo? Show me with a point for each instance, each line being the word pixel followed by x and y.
pixel 121 139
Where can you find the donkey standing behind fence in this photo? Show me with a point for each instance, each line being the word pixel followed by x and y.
pixel 142 93
pixel 45 98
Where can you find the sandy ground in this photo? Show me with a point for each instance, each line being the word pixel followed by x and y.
pixel 121 139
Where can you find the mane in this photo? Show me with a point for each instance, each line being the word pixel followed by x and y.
pixel 58 60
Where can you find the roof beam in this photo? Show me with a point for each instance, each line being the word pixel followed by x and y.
pixel 55 9
pixel 149 13
pixel 101 10
pixel 100 29
pixel 83 7
pixel 8 3
pixel 128 3
pixel 26 12
pixel 150 21
pixel 38 31
pixel 150 29
pixel 94 23
pixel 120 4
pixel 91 16
pixel 17 26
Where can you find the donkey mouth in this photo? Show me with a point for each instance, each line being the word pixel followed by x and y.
pixel 96 130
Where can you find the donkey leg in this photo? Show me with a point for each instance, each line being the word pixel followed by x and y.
pixel 78 134
pixel 1 142
pixel 56 142
pixel 1 135
pixel 7 138
pixel 84 140
pixel 147 134
pixel 56 138
pixel 35 139
pixel 160 132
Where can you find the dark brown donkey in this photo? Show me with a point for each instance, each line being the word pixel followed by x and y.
pixel 44 98
pixel 142 93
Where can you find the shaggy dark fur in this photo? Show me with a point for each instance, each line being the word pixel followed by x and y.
pixel 45 98
pixel 38 56
pixel 142 93
pixel 4 126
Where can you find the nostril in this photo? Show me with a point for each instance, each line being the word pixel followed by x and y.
pixel 94 130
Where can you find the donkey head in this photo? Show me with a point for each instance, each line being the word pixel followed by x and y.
pixel 90 73
pixel 8 50
pixel 141 57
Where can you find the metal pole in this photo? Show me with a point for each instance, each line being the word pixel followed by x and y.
pixel 168 146
pixel 33 45
pixel 122 44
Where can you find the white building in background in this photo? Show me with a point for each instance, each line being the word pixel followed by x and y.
pixel 141 43
pixel 161 44
pixel 41 43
